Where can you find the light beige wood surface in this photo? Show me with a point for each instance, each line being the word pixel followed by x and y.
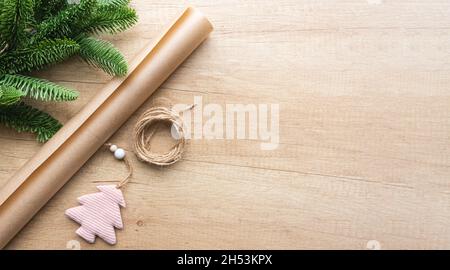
pixel 364 94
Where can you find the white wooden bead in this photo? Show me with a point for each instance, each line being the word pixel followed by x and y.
pixel 113 148
pixel 119 154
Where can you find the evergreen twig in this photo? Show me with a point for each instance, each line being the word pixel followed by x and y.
pixel 37 56
pixel 116 3
pixel 44 9
pixel 39 88
pixel 103 54
pixel 9 95
pixel 65 23
pixel 25 118
pixel 37 33
pixel 111 19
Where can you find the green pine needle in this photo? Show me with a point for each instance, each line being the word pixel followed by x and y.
pixel 67 22
pixel 24 16
pixel 116 3
pixel 104 55
pixel 9 95
pixel 24 118
pixel 15 17
pixel 39 88
pixel 111 19
pixel 37 56
pixel 38 33
pixel 8 9
pixel 43 9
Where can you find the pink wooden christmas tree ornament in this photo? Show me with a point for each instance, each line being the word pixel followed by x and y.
pixel 99 214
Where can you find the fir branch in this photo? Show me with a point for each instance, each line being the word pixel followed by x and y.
pixel 9 95
pixel 39 88
pixel 115 3
pixel 8 10
pixel 111 19
pixel 66 23
pixel 24 17
pixel 37 33
pixel 44 9
pixel 24 118
pixel 102 54
pixel 15 16
pixel 37 56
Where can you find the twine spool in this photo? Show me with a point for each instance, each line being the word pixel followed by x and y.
pixel 146 127
pixel 143 132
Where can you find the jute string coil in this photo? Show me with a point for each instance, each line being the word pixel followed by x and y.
pixel 146 127
pixel 143 132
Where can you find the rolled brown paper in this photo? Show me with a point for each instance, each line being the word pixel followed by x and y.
pixel 59 159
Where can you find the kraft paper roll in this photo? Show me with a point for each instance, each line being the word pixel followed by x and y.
pixel 61 157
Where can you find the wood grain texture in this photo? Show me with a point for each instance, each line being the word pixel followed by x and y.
pixel 363 88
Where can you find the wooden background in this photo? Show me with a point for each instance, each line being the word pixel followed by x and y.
pixel 363 88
